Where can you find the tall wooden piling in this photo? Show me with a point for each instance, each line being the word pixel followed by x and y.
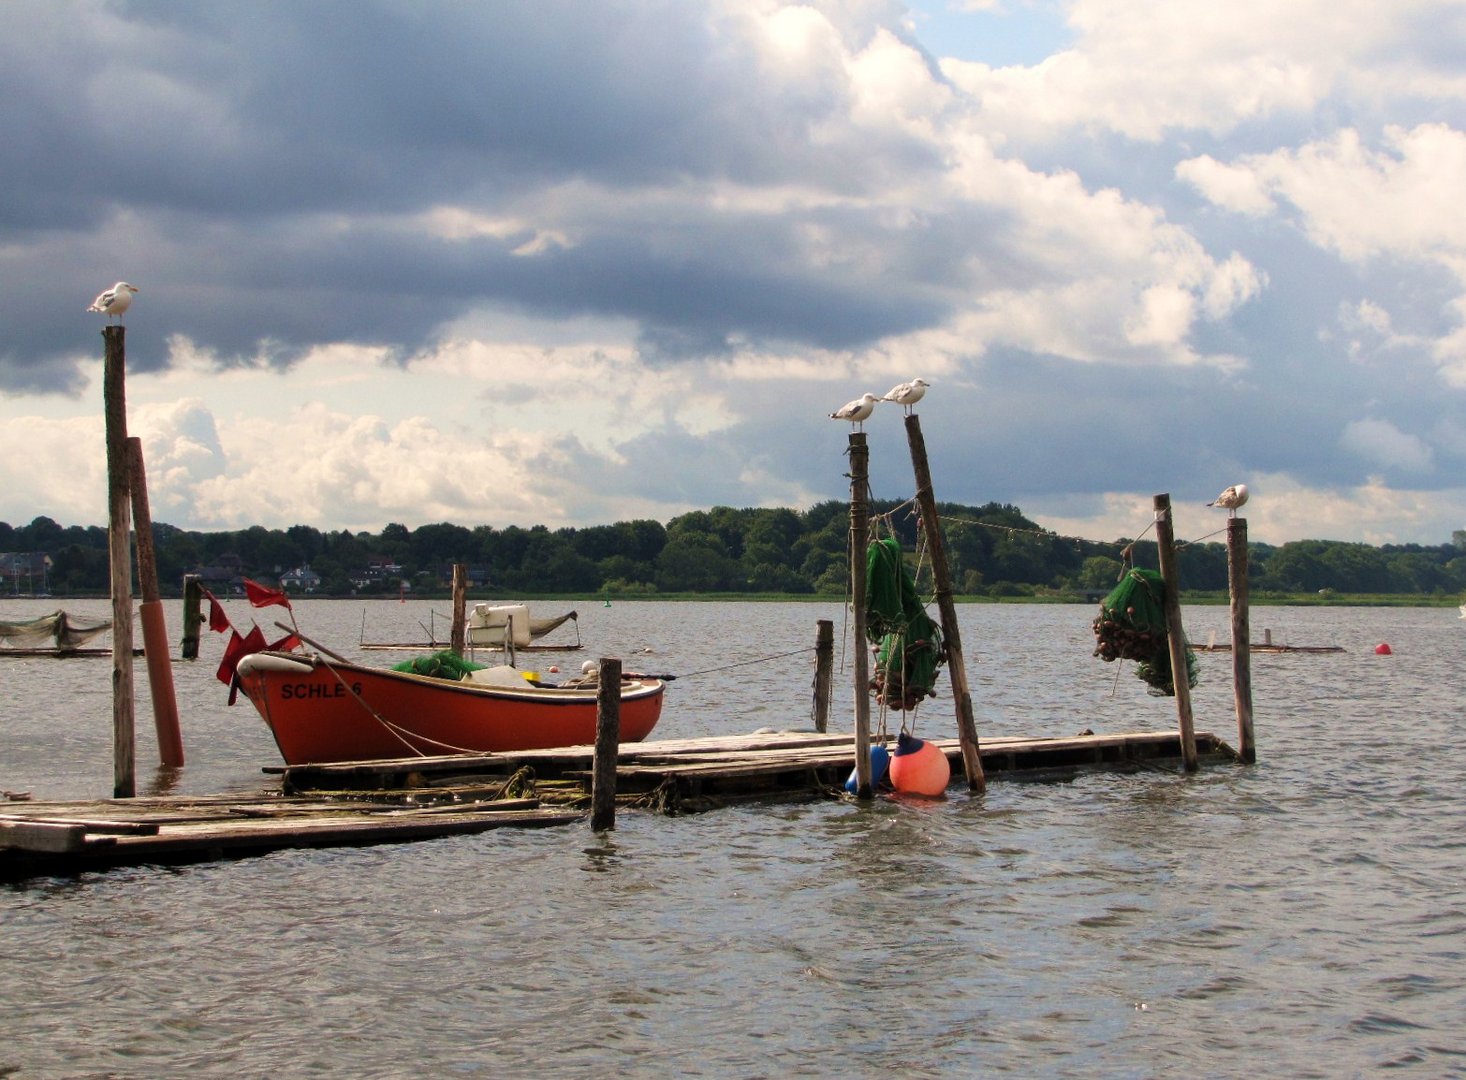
pixel 608 746
pixel 150 613
pixel 114 407
pixel 859 540
pixel 1241 637
pixel 460 607
pixel 951 632
pixel 1165 535
pixel 193 618
pixel 824 666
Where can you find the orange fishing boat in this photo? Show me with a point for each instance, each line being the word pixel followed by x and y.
pixel 323 710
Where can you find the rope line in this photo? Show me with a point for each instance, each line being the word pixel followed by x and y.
pixel 745 663
pixel 401 734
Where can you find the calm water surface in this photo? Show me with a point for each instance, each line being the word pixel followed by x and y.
pixel 1303 917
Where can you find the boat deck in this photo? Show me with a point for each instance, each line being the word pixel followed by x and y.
pixel 357 803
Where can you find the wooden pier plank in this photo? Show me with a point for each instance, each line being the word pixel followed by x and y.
pixel 353 803
pixel 48 837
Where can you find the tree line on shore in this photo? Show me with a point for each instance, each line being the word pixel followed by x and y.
pixel 993 550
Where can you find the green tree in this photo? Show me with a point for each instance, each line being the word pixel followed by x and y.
pixel 1099 572
pixel 696 562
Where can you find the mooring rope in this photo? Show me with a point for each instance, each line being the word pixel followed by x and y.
pixel 396 731
pixel 745 663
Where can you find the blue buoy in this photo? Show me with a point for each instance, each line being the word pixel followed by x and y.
pixel 880 761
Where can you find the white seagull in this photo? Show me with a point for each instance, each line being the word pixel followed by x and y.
pixel 857 411
pixel 907 393
pixel 1231 499
pixel 115 300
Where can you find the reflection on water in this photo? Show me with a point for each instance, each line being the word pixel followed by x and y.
pixel 1301 917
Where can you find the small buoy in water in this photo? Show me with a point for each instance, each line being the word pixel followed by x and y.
pixel 880 761
pixel 1383 649
pixel 918 767
pixel 554 669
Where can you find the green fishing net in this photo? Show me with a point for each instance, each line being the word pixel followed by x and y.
pixel 910 642
pixel 1131 625
pixel 441 665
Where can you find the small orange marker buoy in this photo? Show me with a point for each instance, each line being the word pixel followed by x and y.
pixel 1383 649
pixel 554 669
pixel 918 767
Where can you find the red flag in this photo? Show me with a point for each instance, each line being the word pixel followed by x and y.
pixel 286 644
pixel 260 596
pixel 237 649
pixel 218 620
pixel 233 653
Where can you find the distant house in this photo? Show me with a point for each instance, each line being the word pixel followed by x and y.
pixel 301 579
pixel 224 576
pixel 478 575
pixel 378 571
pixel 30 567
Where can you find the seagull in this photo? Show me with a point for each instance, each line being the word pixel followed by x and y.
pixel 907 393
pixel 1231 499
pixel 857 411
pixel 115 300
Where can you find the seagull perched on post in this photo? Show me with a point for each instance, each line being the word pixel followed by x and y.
pixel 857 411
pixel 115 300
pixel 907 394
pixel 1231 499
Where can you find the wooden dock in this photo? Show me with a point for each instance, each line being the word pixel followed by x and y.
pixel 688 775
pixel 437 646
pixel 358 803
pixel 68 837
pixel 1267 647
pixel 63 654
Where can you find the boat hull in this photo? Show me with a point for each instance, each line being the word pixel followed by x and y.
pixel 324 711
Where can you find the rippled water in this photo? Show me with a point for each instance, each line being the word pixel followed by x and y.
pixel 1302 917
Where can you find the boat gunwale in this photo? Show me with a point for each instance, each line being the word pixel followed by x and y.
pixel 633 688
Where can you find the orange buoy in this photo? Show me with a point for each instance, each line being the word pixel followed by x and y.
pixel 1383 649
pixel 918 767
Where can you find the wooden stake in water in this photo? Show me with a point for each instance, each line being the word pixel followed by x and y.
pixel 608 746
pixel 193 619
pixel 824 664
pixel 460 604
pixel 942 577
pixel 155 630
pixel 1241 634
pixel 1175 636
pixel 859 539
pixel 114 406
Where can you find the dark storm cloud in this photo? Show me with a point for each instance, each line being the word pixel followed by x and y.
pixel 238 160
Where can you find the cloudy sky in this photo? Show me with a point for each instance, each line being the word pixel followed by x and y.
pixel 572 262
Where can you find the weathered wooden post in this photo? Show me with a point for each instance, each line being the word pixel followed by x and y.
pixel 114 407
pixel 859 540
pixel 193 619
pixel 608 746
pixel 951 632
pixel 1175 636
pixel 1241 637
pixel 155 630
pixel 824 665
pixel 460 606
